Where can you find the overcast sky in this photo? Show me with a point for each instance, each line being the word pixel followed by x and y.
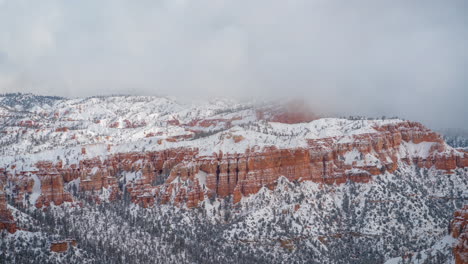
pixel 406 58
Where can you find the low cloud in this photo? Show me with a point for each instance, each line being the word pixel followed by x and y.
pixel 406 58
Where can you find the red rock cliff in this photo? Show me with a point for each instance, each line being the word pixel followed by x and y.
pixel 62 246
pixel 52 188
pixel 459 229
pixel 182 176
pixel 7 221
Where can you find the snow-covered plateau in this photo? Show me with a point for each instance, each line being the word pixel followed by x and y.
pixel 145 179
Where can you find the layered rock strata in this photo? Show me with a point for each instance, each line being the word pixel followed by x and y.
pixel 7 222
pixel 184 177
pixel 459 231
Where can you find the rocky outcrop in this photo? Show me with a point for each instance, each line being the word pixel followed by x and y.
pixel 7 222
pixel 290 113
pixel 459 231
pixel 52 187
pixel 183 176
pixel 94 176
pixel 205 123
pixel 21 182
pixel 62 245
pixel 62 129
pixel 28 124
pixel 324 162
pixel 135 124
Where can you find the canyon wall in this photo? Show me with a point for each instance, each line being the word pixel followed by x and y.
pixel 459 231
pixel 183 176
pixel 6 218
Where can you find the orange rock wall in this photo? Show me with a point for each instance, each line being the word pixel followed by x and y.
pixel 459 230
pixel 170 176
pixel 7 221
pixel 62 246
pixel 59 247
pixel 52 185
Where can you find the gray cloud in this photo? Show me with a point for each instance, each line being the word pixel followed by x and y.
pixel 406 58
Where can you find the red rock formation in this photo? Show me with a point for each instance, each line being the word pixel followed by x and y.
pixel 135 124
pixel 59 246
pixel 173 122
pixel 51 185
pixel 7 221
pixel 63 245
pixel 459 230
pixel 195 195
pixel 62 129
pixel 28 123
pixel 237 138
pixel 151 134
pixel 242 174
pixel 291 113
pixel 226 123
pixel 94 176
pixel 179 138
pixel 245 174
pixel 462 161
pixel 22 183
pixel 114 125
pixel 297 207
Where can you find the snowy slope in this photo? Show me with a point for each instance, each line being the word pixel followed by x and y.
pixel 396 215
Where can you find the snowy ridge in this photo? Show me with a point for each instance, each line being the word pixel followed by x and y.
pixel 393 202
pixel 62 129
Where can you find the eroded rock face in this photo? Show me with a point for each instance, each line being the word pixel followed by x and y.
pixel 324 161
pixel 459 230
pixel 184 177
pixel 52 188
pixel 7 221
pixel 94 176
pixel 62 246
pixel 58 247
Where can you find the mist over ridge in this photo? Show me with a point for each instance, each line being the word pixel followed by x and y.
pixel 346 58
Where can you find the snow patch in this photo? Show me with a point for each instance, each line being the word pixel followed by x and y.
pixel 36 192
pixel 201 176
